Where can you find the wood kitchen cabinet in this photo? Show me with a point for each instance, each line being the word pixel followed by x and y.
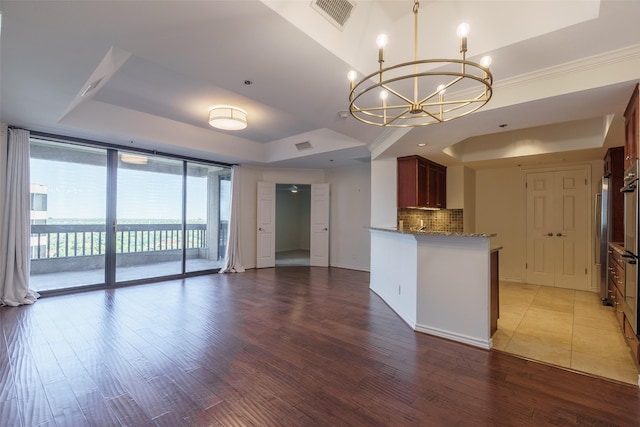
pixel 631 130
pixel 632 340
pixel 421 183
pixel 614 170
pixel 616 296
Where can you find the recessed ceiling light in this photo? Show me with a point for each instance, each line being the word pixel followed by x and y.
pixel 422 144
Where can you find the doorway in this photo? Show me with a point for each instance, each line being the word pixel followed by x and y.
pixel 318 225
pixel 293 224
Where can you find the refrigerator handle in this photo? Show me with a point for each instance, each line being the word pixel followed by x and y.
pixel 597 215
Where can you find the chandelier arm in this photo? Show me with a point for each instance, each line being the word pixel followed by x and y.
pixel 367 110
pixel 399 116
pixel 395 92
pixel 436 92
pixel 457 101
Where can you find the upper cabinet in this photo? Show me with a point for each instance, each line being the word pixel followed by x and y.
pixel 631 130
pixel 614 170
pixel 421 183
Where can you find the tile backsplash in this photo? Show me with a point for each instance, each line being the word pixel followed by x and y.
pixel 449 220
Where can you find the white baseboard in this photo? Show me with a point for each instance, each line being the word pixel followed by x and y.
pixel 350 267
pixel 475 342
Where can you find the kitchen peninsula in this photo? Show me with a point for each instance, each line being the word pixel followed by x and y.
pixel 439 283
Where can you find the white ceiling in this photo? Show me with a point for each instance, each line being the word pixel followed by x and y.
pixel 563 73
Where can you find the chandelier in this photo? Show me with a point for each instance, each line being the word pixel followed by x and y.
pixel 423 91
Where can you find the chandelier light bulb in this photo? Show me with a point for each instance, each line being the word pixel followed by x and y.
pixel 382 40
pixel 384 95
pixel 352 75
pixel 485 61
pixel 441 89
pixel 463 30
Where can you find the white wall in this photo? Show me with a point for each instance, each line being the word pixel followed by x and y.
pixel 500 208
pixel 350 216
pixel 461 194
pixel 350 189
pixel 249 176
pixel 394 272
pixel 469 225
pixel 3 171
pixel 384 189
pixel 455 187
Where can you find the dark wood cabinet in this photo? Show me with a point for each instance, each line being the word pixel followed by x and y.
pixel 632 340
pixel 614 170
pixel 616 297
pixel 631 130
pixel 421 183
pixel 438 189
pixel 495 291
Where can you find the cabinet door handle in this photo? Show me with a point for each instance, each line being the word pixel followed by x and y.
pixel 548 235
pixel 561 235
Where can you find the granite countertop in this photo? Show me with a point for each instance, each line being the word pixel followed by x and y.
pixel 433 233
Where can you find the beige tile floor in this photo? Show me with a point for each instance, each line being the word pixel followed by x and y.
pixel 565 328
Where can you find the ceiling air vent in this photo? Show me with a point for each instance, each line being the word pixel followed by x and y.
pixel 335 11
pixel 304 145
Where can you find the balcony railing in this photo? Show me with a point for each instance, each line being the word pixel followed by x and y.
pixel 73 240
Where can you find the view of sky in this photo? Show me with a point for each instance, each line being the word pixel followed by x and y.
pixel 77 191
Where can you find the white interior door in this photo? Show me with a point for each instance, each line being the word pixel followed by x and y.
pixel 540 228
pixel 266 232
pixel 571 235
pixel 556 229
pixel 319 244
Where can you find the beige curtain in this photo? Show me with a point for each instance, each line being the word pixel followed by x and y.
pixel 233 256
pixel 15 259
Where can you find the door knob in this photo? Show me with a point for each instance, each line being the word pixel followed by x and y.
pixel 326 229
pixel 260 229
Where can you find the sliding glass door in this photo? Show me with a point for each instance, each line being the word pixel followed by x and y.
pixel 68 206
pixel 207 214
pixel 149 217
pixel 103 216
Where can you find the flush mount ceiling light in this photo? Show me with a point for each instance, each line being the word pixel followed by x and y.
pixel 413 93
pixel 134 159
pixel 227 117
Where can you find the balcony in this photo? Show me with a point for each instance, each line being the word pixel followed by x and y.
pixel 68 256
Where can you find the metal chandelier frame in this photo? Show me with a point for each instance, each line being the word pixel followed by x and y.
pixel 471 81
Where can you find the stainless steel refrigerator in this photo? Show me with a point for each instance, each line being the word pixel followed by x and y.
pixel 601 248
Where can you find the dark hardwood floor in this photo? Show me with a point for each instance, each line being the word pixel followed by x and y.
pixel 294 346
